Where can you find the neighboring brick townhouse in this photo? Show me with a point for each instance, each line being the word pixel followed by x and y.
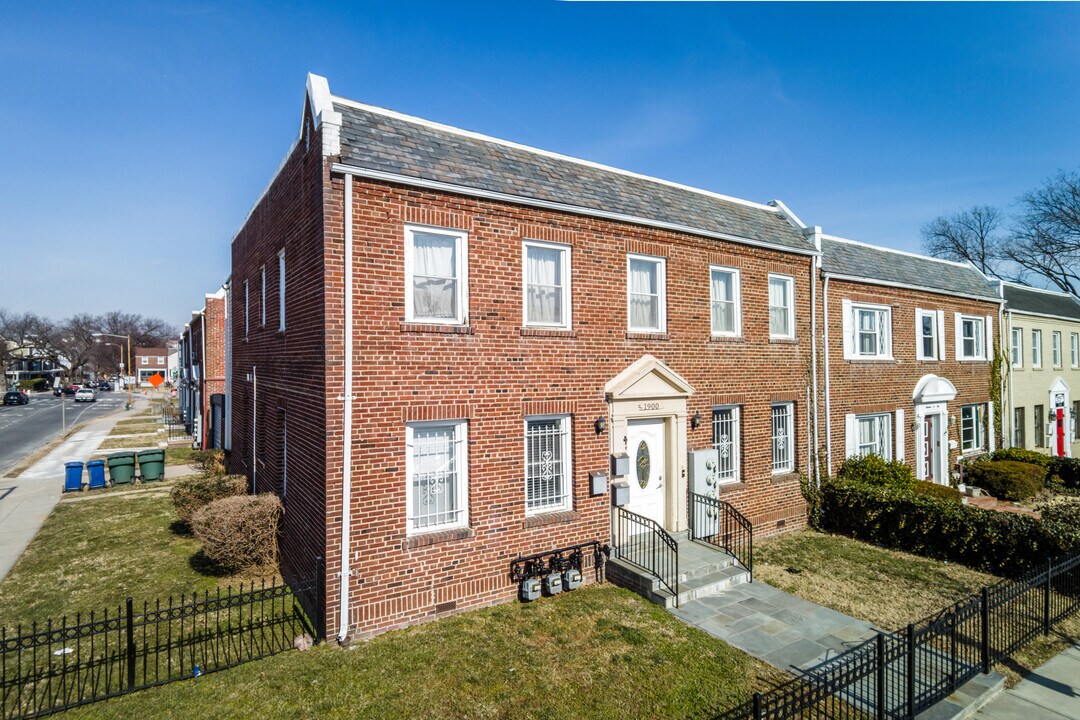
pixel 908 346
pixel 149 362
pixel 202 373
pixel 1042 333
pixel 450 336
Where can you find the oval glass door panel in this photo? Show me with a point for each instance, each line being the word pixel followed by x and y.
pixel 643 464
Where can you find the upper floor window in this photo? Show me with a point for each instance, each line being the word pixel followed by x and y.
pixel 281 289
pixel 970 337
pixel 867 331
pixel 262 296
pixel 783 457
pixel 724 296
pixel 972 427
pixel 547 464
pixel 1076 355
pixel 781 306
pixel 435 275
pixel 928 332
pixel 546 272
pixel 728 443
pixel 1036 348
pixel 645 293
pixel 145 360
pixel 1055 345
pixel 1017 347
pixel 437 472
pixel 247 306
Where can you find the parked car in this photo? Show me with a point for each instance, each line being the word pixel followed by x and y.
pixel 105 385
pixel 85 395
pixel 70 389
pixel 16 397
pixel 58 391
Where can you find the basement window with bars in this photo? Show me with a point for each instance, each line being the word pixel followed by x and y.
pixel 547 464
pixel 437 468
pixel 783 459
pixel 727 442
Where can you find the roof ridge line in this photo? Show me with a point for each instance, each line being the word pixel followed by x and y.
pixel 1048 291
pixel 908 253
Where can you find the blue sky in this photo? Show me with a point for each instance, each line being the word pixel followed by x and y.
pixel 135 137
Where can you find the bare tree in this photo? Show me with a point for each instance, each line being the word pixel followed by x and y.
pixel 1048 232
pixel 23 336
pixel 970 234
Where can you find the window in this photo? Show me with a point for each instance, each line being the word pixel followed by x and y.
pixel 869 328
pixel 972 432
pixel 875 435
pixel 437 468
pixel 1040 430
pixel 1075 338
pixel 724 296
pixel 246 306
pixel 926 322
pixel 1055 345
pixel 1019 426
pixel 435 276
pixel 1076 418
pixel 546 271
pixel 1017 347
pixel 645 293
pixel 145 360
pixel 972 338
pixel 281 290
pixel 781 306
pixel 547 464
pixel 783 459
pixel 1036 348
pixel 728 443
pixel 262 297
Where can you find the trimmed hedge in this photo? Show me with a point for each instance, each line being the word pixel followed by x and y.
pixel 240 532
pixel 193 494
pixel 1067 470
pixel 877 471
pixel 996 542
pixel 944 492
pixel 1007 479
pixel 1021 455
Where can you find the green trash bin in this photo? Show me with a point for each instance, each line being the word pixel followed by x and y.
pixel 151 464
pixel 121 467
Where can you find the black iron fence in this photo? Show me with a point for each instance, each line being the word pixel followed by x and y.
pixel 643 542
pixel 718 523
pixel 175 426
pixel 900 674
pixel 55 666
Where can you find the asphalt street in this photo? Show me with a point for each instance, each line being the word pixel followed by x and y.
pixel 25 429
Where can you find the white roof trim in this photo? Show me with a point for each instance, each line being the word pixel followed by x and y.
pixel 645 365
pixel 545 153
pixel 1029 313
pixel 908 286
pixel 560 207
pixel 898 252
pixel 1059 293
pixel 932 389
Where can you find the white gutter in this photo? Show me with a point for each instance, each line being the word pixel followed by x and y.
pixel 557 206
pixel 346 470
pixel 254 427
pixel 816 470
pixel 1010 414
pixel 828 398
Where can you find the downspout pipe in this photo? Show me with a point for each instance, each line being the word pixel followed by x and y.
pixel 828 397
pixel 814 234
pixel 347 396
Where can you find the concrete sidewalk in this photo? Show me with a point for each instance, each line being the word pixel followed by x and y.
pixel 27 500
pixel 1052 692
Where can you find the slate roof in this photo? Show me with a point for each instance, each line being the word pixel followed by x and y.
pixel 1024 299
pixel 842 257
pixel 374 139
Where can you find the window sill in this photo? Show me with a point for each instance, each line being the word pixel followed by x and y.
pixel 408 327
pixel 871 360
pixel 437 536
pixel 546 332
pixel 642 335
pixel 550 518
pixel 729 487
pixel 785 477
pixel 739 339
pixel 783 341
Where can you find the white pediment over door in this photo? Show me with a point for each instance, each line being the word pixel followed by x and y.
pixel 647 377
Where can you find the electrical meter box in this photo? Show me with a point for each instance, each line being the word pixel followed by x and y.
pixel 703 466
pixel 529 590
pixel 571 579
pixel 553 584
pixel 620 493
pixel 597 483
pixel 620 465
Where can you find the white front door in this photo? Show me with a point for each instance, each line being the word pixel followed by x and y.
pixel 647 447
pixel 933 446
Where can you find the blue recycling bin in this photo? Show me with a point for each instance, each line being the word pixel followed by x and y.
pixel 96 470
pixel 73 476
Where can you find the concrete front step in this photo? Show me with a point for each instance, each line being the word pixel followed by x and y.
pixel 708 571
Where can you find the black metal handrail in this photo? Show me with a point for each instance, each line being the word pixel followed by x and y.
pixel 718 523
pixel 643 542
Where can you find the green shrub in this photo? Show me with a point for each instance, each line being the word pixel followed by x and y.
pixel 239 532
pixel 1006 479
pixel 193 494
pixel 1067 470
pixel 877 471
pixel 944 492
pixel 1022 455
pixel 996 542
pixel 1065 513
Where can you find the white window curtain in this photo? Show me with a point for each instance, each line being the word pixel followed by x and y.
pixel 543 270
pixel 779 312
pixel 435 266
pixel 723 302
pixel 644 281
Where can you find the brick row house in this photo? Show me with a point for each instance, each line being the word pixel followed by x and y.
pixel 448 351
pixel 202 373
pixel 149 362
pixel 1042 334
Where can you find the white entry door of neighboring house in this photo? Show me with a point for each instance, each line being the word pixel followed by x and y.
pixel 647 448
pixel 931 449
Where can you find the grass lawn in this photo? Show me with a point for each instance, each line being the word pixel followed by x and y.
pixel 598 652
pixel 132 442
pixel 885 587
pixel 179 455
pixel 135 428
pixel 93 554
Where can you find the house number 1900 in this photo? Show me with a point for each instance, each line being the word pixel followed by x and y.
pixel 648 406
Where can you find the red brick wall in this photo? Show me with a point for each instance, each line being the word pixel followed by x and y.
pixel 490 374
pixel 868 386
